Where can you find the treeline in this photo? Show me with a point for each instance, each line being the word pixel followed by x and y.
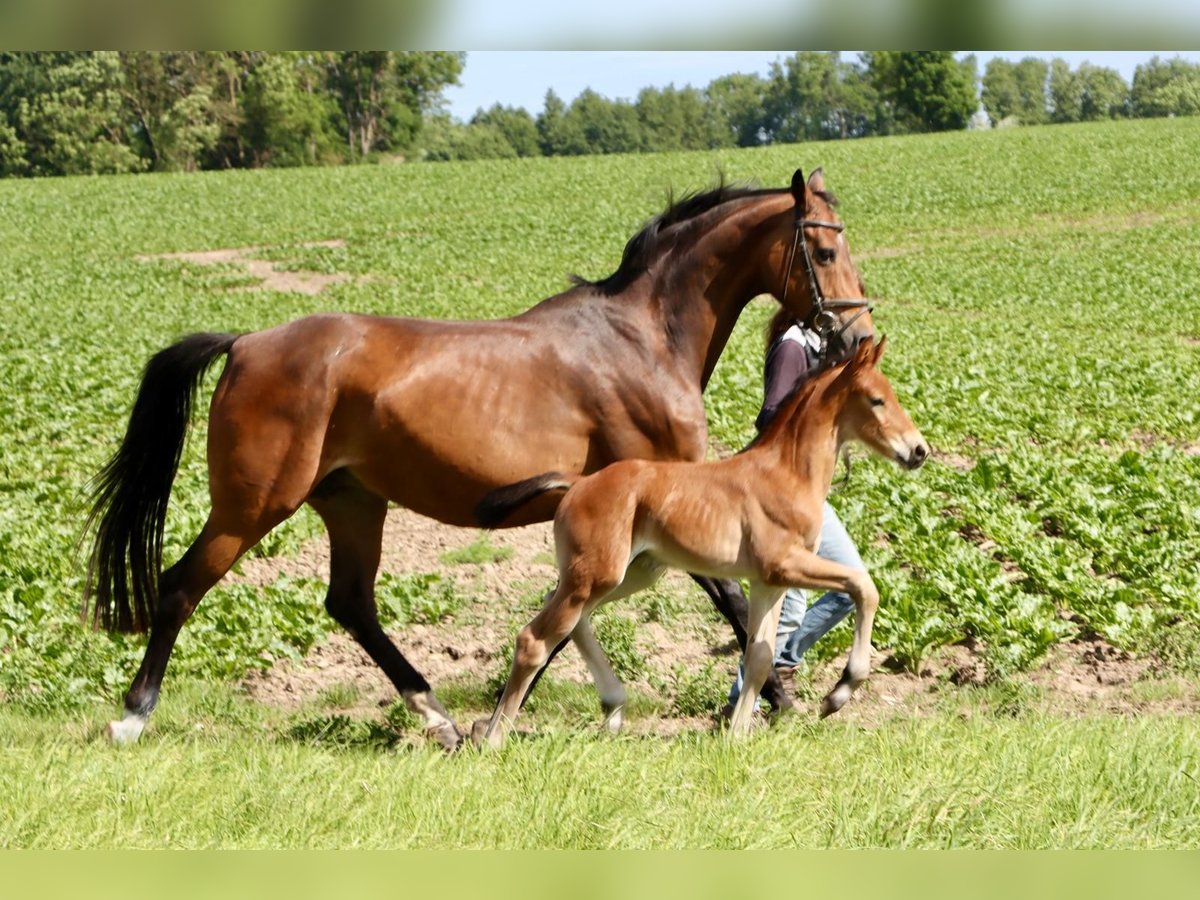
pixel 65 113
pixel 1035 92
pixel 807 96
pixel 820 96
pixel 94 112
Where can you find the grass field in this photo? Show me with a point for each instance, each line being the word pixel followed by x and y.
pixel 1038 287
pixel 219 772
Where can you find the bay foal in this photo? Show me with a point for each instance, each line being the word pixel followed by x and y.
pixel 756 515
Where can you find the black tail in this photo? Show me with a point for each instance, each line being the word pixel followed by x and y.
pixel 496 505
pixel 129 496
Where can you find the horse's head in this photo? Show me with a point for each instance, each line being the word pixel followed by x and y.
pixel 873 415
pixel 816 280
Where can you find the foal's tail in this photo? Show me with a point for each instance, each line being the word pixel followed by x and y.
pixel 496 505
pixel 129 496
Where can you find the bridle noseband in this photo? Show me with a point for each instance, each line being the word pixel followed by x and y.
pixel 822 318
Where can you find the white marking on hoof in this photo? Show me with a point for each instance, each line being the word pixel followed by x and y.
pixel 438 723
pixel 615 720
pixel 126 731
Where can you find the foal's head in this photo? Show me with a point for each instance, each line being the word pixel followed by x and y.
pixel 871 412
pixel 813 276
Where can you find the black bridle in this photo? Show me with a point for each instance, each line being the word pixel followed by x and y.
pixel 822 317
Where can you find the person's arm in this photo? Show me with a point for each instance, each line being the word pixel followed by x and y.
pixel 786 365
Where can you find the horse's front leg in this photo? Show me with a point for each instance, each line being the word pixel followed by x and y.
pixel 762 623
pixel 805 569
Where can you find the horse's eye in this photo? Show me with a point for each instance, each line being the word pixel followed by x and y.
pixel 877 401
pixel 826 255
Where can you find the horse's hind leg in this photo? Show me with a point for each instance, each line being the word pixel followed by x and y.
pixel 354 518
pixel 181 588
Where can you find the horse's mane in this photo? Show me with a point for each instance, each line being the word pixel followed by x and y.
pixel 643 245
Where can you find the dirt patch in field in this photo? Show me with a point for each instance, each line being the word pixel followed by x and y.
pixel 270 276
pixel 1086 676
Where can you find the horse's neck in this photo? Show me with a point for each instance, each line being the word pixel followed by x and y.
pixel 700 305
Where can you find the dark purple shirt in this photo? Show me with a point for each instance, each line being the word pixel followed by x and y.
pixel 789 362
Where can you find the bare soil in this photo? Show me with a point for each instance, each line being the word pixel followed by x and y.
pixel 1086 676
pixel 269 275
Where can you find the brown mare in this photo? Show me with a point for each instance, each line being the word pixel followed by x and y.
pixel 756 515
pixel 348 412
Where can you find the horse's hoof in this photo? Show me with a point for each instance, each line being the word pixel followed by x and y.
pixel 446 734
pixel 124 732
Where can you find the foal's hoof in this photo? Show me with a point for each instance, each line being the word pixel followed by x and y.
pixel 835 700
pixel 446 734
pixel 480 737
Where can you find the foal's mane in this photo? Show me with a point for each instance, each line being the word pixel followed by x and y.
pixel 799 396
pixel 643 246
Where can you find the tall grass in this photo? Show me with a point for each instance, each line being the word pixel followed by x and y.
pixel 219 772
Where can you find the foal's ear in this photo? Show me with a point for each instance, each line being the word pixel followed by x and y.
pixel 879 350
pixel 864 355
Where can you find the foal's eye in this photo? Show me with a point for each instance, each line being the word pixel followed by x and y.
pixel 877 401
pixel 826 255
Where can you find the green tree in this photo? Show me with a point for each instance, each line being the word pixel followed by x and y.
pixel 735 104
pixel 1105 93
pixel 515 124
pixel 605 126
pixel 1066 93
pixel 558 134
pixel 444 139
pixel 819 96
pixel 1001 97
pixel 287 119
pixel 924 90
pixel 1165 88
pixel 1030 75
pixel 677 119
pixel 63 114
pixel 383 94
pixel 176 121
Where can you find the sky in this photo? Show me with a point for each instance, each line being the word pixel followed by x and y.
pixel 521 77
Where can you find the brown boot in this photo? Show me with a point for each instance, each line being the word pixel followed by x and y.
pixel 787 681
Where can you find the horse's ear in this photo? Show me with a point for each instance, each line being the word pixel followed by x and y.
pixel 879 350
pixel 816 181
pixel 799 188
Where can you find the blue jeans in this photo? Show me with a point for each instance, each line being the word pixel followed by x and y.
pixel 800 628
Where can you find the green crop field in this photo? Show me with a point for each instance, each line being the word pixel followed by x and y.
pixel 1038 288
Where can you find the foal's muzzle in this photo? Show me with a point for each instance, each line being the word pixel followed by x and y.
pixel 915 456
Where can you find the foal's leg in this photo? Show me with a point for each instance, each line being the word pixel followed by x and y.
pixel 556 620
pixel 221 542
pixel 642 573
pixel 727 597
pixel 765 605
pixel 807 570
pixel 354 518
